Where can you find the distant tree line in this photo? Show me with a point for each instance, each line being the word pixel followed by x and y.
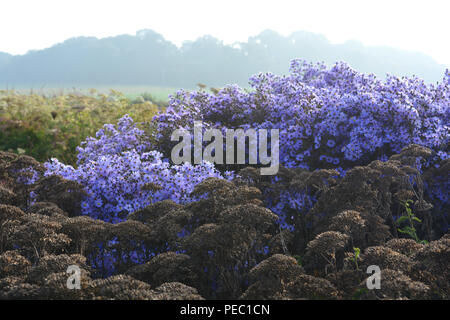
pixel 148 59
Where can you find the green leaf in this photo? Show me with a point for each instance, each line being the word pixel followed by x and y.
pixel 402 219
pixel 357 252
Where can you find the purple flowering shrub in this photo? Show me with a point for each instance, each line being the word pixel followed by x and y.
pixel 121 175
pixel 328 118
pixel 332 118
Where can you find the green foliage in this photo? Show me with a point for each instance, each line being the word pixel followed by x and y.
pixel 54 126
pixel 358 293
pixel 409 220
pixel 299 259
pixel 356 252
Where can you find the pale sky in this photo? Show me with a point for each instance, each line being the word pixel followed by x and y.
pixel 417 25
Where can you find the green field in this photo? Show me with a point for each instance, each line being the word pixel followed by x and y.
pixel 45 123
pixel 158 93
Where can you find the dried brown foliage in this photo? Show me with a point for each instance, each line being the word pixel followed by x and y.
pixel 66 194
pixel 227 244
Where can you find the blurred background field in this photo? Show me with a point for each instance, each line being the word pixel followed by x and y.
pixel 157 93
pixel 46 123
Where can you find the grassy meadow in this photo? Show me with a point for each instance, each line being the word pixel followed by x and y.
pixel 45 123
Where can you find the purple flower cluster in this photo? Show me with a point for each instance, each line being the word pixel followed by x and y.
pixel 113 140
pixel 328 118
pixel 117 170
